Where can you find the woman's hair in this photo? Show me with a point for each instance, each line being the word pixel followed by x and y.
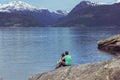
pixel 62 55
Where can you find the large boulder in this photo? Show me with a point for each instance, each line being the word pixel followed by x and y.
pixel 108 70
pixel 111 44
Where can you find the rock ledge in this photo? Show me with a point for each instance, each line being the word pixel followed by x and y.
pixel 108 70
pixel 111 44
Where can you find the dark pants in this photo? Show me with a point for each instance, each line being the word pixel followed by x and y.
pixel 61 64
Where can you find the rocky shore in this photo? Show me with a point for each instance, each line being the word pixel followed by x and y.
pixel 111 44
pixel 107 70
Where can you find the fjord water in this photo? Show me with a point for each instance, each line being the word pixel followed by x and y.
pixel 28 51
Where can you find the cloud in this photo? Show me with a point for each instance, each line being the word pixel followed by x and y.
pixel 101 3
pixel 117 1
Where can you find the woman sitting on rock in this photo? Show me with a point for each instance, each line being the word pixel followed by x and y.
pixel 61 61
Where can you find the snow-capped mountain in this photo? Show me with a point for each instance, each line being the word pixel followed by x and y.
pixel 82 5
pixel 87 15
pixel 42 15
pixel 23 6
pixel 18 6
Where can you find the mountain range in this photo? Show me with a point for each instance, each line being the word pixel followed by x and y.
pixel 41 16
pixel 87 13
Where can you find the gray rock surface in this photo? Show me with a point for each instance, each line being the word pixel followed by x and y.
pixel 111 44
pixel 108 70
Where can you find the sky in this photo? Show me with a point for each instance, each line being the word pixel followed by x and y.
pixel 57 4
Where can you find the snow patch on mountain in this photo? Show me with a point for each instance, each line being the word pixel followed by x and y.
pixel 87 3
pixel 18 6
pixel 61 12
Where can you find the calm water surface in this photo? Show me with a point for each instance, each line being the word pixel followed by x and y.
pixel 28 51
